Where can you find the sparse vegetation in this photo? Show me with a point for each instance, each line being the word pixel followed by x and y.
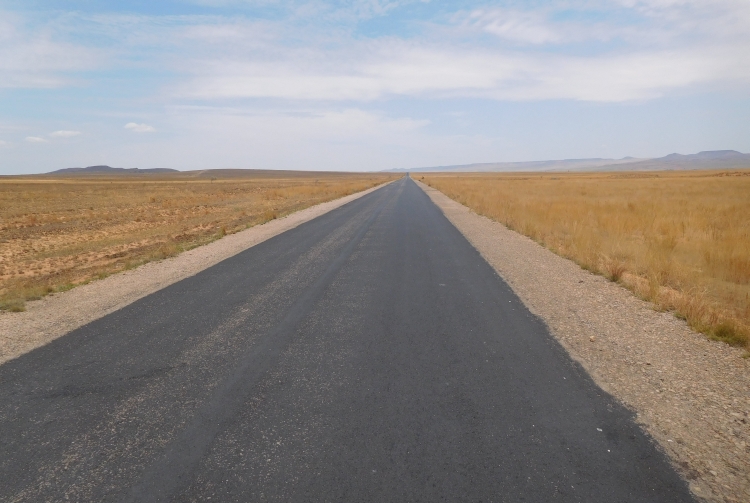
pixel 58 232
pixel 680 240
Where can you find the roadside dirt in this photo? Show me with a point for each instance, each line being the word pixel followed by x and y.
pixel 53 316
pixel 691 394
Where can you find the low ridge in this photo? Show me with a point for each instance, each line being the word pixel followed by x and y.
pixel 109 169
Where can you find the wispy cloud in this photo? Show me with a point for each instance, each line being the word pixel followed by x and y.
pixel 139 128
pixel 538 54
pixel 562 51
pixel 517 26
pixel 410 70
pixel 64 134
pixel 35 139
pixel 38 56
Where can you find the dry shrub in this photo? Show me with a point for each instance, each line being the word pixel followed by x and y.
pixel 614 269
pixel 269 215
pixel 166 250
pixel 678 239
pixel 58 232
pixel 13 304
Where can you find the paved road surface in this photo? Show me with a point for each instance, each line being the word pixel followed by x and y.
pixel 368 355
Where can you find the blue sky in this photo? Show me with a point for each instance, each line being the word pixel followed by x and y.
pixel 367 85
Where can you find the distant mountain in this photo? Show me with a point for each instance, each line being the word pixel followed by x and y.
pixel 711 159
pixel 561 165
pixel 109 170
pixel 710 154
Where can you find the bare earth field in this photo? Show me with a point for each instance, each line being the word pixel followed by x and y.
pixel 57 232
pixel 690 393
pixel 678 239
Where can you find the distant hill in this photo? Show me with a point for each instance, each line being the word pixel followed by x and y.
pixel 109 170
pixel 560 165
pixel 711 159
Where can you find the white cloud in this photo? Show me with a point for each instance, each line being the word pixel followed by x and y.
pixel 4 143
pixel 516 26
pixel 564 50
pixel 33 57
pixel 64 134
pixel 139 128
pixel 407 69
pixel 611 79
pixel 622 44
pixel 361 74
pixel 35 139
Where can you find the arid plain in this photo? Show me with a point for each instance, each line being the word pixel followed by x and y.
pixel 60 231
pixel 678 239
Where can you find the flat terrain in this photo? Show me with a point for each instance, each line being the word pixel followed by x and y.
pixel 680 240
pixel 61 231
pixel 368 355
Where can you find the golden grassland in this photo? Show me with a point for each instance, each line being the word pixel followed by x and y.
pixel 678 239
pixel 57 232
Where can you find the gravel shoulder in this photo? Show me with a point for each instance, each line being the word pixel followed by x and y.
pixel 56 315
pixel 691 394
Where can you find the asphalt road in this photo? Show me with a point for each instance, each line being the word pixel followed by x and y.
pixel 368 355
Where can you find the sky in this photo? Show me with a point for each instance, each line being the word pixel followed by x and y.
pixel 367 84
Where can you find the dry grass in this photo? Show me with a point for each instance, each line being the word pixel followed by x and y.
pixel 680 240
pixel 58 232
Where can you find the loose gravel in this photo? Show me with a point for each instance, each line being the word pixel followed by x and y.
pixel 691 394
pixel 56 315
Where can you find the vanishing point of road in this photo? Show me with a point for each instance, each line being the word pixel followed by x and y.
pixel 370 354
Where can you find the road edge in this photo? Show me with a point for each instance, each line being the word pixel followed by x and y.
pixel 641 357
pixel 56 315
